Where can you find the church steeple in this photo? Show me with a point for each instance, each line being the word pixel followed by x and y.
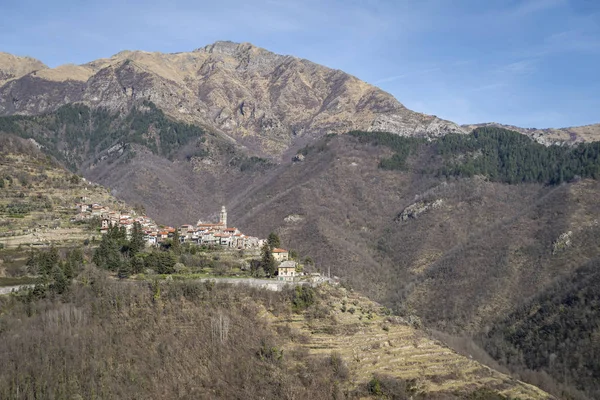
pixel 223 217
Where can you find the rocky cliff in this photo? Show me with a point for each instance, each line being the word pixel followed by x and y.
pixel 265 101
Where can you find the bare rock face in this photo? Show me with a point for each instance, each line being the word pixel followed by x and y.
pixel 263 100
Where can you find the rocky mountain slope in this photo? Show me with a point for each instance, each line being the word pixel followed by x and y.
pixel 265 101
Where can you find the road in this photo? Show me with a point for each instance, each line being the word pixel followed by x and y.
pixel 8 289
pixel 268 284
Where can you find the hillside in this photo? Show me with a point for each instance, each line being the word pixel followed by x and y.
pixel 201 340
pixel 38 196
pixel 37 204
pixel 565 314
pixel 405 220
pixel 409 237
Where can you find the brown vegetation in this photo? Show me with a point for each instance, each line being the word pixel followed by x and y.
pixel 103 338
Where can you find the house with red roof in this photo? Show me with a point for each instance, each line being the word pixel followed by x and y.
pixel 281 254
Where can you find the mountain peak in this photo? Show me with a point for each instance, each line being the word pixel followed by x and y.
pixel 225 47
pixel 264 100
pixel 12 67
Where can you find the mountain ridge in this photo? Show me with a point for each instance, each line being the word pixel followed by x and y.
pixel 550 136
pixel 263 100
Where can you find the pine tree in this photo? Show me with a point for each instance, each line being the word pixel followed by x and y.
pixel 136 264
pixel 124 271
pixel 273 240
pixel 60 283
pixel 68 270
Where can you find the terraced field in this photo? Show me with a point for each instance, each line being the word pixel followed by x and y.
pixel 38 197
pixel 373 343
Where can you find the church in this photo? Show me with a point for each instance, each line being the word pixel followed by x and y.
pixel 220 226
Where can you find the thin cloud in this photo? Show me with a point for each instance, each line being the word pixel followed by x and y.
pixel 522 67
pixel 535 6
pixel 402 76
pixel 572 40
pixel 490 86
pixel 390 79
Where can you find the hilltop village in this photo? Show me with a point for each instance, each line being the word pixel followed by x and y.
pixel 202 233
pixel 215 234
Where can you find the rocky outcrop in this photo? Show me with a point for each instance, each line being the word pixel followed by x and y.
pixel 414 210
pixel 262 100
pixel 563 242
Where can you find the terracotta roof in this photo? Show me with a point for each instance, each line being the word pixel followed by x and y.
pixel 276 250
pixel 287 265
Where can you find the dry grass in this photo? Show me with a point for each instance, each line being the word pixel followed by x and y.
pixel 66 72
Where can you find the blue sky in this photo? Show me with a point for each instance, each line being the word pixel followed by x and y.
pixel 532 63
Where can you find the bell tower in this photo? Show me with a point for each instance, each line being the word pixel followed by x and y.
pixel 223 217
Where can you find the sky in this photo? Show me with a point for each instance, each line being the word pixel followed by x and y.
pixel 530 63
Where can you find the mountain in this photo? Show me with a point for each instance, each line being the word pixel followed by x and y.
pixel 550 136
pixel 265 101
pixel 14 67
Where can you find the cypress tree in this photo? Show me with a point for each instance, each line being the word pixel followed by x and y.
pixel 268 261
pixel 273 240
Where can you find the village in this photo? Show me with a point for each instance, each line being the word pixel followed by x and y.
pixel 210 234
